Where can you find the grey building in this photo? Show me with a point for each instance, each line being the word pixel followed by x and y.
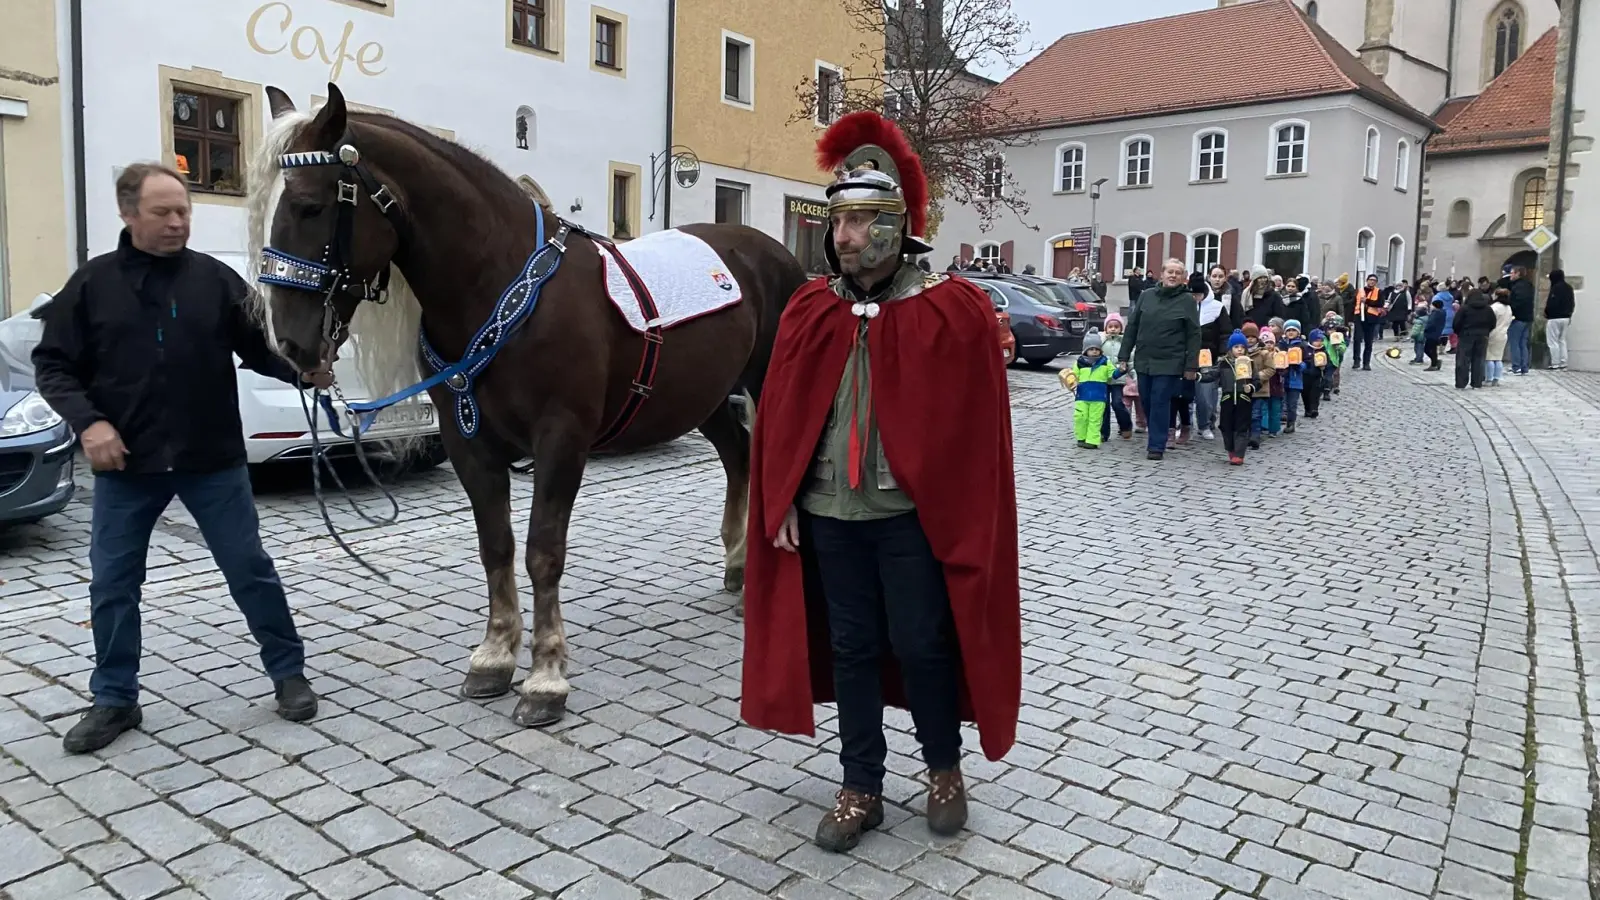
pixel 1239 135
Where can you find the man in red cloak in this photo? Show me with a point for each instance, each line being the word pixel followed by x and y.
pixel 883 519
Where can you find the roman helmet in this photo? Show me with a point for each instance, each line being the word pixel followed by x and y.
pixel 875 169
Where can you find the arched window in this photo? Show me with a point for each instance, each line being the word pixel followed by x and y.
pixel 1205 251
pixel 1402 164
pixel 1311 10
pixel 1533 197
pixel 1364 242
pixel 989 251
pixel 1397 259
pixel 1210 155
pixel 1506 32
pixel 532 189
pixel 1460 222
pixel 1069 168
pixel 1370 167
pixel 1134 253
pixel 527 133
pixel 1287 152
pixel 1138 156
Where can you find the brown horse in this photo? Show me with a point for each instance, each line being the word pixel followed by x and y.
pixel 415 232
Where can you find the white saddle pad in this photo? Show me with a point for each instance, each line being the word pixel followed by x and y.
pixel 683 275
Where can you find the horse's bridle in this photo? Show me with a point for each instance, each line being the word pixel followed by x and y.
pixel 332 276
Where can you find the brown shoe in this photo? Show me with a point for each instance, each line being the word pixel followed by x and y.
pixel 854 813
pixel 947 802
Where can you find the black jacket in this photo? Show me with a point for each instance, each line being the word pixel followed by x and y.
pixel 1521 300
pixel 1560 302
pixel 1475 318
pixel 147 343
pixel 1262 310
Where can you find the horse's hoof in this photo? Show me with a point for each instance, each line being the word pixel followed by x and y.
pixel 733 581
pixel 486 685
pixel 538 710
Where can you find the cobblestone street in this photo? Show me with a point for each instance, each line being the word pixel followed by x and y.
pixel 1360 666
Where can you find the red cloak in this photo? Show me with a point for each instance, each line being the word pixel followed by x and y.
pixel 944 420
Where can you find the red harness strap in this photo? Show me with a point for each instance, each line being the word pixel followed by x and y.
pixel 645 379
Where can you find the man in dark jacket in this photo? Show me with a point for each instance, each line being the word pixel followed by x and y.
pixel 1521 321
pixel 1165 328
pixel 1136 288
pixel 1473 324
pixel 137 356
pixel 1558 308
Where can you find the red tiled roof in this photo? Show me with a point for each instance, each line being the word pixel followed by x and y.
pixel 1512 113
pixel 1450 109
pixel 1230 56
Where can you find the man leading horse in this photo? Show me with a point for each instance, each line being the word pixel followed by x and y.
pixel 882 562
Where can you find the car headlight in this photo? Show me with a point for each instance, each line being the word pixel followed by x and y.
pixel 29 415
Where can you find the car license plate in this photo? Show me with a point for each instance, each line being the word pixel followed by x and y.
pixel 1076 326
pixel 405 415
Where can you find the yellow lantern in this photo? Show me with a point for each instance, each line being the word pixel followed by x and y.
pixel 1069 379
pixel 1295 356
pixel 1241 368
pixel 1336 339
pixel 1321 359
pixel 1205 357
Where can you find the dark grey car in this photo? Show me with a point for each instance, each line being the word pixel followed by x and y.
pixel 36 457
pixel 1044 331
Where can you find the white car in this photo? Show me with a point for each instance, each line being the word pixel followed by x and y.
pixel 275 428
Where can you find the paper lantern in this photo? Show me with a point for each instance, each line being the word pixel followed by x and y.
pixel 1295 357
pixel 1205 357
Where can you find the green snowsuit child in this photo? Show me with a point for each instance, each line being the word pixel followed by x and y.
pixel 1092 375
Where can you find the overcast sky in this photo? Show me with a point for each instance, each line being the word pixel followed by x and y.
pixel 1053 18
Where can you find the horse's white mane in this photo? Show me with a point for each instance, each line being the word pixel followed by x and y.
pixel 383 337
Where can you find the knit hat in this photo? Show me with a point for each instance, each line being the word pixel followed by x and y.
pixel 1276 324
pixel 1251 330
pixel 1291 325
pixel 1302 282
pixel 1267 337
pixel 1093 340
pixel 1113 317
pixel 1317 335
pixel 1260 272
pixel 1237 339
pixel 1198 284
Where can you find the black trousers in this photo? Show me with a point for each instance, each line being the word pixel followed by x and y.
pixel 1312 396
pixel 886 592
pixel 1233 420
pixel 1431 348
pixel 1471 355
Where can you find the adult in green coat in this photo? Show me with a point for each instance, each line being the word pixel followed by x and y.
pixel 1164 329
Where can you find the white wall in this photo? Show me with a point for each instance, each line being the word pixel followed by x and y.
pixel 765 207
pixel 1487 181
pixel 1580 229
pixel 444 65
pixel 1538 16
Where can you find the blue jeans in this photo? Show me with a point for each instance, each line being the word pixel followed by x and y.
pixel 1155 394
pixel 1206 398
pixel 1419 344
pixel 1266 415
pixel 125 511
pixel 885 592
pixel 1517 341
pixel 1493 369
pixel 1291 404
pixel 1118 407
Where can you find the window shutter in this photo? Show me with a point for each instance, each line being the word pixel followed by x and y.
pixel 1230 249
pixel 1108 259
pixel 1178 244
pixel 966 252
pixel 1006 249
pixel 1153 258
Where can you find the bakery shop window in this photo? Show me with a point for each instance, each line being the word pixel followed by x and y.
pixel 805 226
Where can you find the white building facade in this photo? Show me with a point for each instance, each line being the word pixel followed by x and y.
pixel 557 95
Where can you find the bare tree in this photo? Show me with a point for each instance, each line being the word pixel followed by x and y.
pixel 914 66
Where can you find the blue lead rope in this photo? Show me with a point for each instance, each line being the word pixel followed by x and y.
pixel 512 309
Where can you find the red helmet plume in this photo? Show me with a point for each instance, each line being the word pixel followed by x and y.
pixel 857 129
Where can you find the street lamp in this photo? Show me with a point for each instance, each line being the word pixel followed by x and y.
pixel 1094 225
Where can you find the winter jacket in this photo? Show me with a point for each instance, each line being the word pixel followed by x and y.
pixel 1434 330
pixel 1230 387
pixel 1262 309
pixel 1369 306
pixel 1560 302
pixel 1522 300
pixel 147 343
pixel 1165 329
pixel 1294 377
pixel 1502 331
pixel 1214 334
pixel 1399 303
pixel 1475 319
pixel 1109 348
pixel 1094 379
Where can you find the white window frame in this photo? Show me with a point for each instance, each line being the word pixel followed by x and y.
pixel 984 184
pixel 1396 272
pixel 1371 238
pixel 1122 161
pixel 1194 165
pixel 1371 164
pixel 1061 163
pixel 743 190
pixel 1261 241
pixel 1273 143
pixel 747 71
pixel 838 102
pixel 1402 165
pixel 1122 250
pixel 979 248
pixel 1194 261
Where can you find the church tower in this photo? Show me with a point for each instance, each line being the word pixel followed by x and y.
pixel 1431 51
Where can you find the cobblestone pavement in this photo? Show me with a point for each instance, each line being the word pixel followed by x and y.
pixel 1358 667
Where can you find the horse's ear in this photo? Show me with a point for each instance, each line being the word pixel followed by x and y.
pixel 279 102
pixel 330 121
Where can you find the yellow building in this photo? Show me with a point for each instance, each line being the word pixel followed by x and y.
pixel 738 65
pixel 34 241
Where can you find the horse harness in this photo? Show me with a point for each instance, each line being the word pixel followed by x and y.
pixel 332 278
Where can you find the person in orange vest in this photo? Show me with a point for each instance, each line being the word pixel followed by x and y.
pixel 1370 314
